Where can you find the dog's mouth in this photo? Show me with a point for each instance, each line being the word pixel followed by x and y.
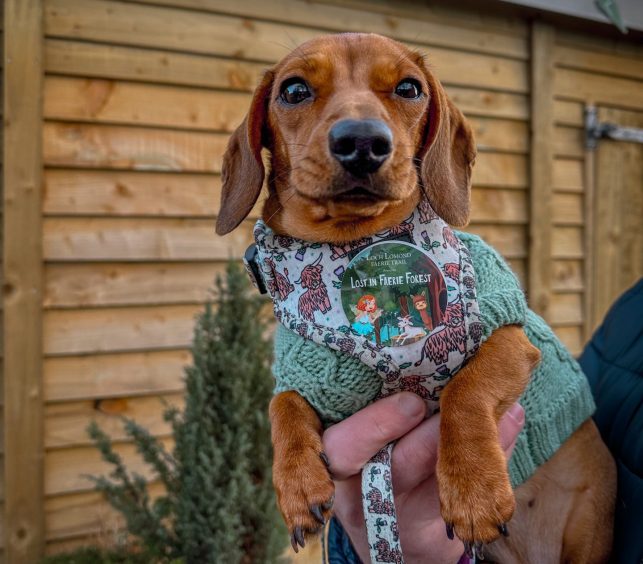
pixel 351 201
pixel 358 195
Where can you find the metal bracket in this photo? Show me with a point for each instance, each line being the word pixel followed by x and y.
pixel 595 130
pixel 610 9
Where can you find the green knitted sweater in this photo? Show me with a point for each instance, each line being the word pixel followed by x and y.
pixel 557 400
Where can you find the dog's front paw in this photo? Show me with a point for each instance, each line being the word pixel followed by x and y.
pixel 305 492
pixel 476 498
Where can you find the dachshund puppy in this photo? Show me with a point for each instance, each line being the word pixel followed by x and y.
pixel 307 112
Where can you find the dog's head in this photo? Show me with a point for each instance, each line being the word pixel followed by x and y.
pixel 358 129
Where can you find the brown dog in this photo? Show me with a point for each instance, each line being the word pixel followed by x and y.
pixel 564 512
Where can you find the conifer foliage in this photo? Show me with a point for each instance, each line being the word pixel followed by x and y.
pixel 219 504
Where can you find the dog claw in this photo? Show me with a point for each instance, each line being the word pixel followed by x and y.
pixel 502 529
pixel 317 513
pixel 450 531
pixel 468 550
pixel 479 550
pixel 327 505
pixel 299 537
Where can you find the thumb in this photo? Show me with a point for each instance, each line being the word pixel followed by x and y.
pixel 509 427
pixel 353 442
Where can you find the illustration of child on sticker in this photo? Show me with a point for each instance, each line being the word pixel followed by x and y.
pixel 366 315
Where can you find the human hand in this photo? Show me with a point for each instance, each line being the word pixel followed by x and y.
pixel 352 443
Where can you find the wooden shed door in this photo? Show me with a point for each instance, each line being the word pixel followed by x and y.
pixel 616 228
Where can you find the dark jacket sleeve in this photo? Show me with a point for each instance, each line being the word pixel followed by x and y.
pixel 340 549
pixel 613 363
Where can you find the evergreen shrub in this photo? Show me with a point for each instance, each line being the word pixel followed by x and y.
pixel 218 505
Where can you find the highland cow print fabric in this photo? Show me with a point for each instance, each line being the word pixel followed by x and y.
pixel 402 301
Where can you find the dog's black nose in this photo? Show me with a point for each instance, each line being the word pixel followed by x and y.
pixel 361 146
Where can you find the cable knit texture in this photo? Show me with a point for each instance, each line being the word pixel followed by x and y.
pixel 557 400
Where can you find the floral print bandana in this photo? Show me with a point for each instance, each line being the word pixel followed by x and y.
pixel 403 301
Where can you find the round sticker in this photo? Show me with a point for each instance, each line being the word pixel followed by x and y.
pixel 393 294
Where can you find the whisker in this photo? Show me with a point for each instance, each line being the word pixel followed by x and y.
pixel 283 174
pixel 292 40
pixel 280 44
pixel 304 57
pixel 281 206
pixel 399 61
pixel 286 172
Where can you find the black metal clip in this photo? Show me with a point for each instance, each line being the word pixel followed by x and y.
pixel 253 270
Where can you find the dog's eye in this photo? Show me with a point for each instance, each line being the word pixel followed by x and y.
pixel 409 88
pixel 294 91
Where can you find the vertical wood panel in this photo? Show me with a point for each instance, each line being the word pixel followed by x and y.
pixel 589 164
pixel 2 420
pixel 542 162
pixel 22 244
pixel 618 209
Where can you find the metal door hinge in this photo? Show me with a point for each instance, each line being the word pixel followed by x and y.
pixel 595 130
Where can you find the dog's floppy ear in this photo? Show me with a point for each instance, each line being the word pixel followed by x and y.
pixel 446 157
pixel 242 172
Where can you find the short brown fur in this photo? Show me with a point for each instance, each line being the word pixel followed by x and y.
pixel 353 76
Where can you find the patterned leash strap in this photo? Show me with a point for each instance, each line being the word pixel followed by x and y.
pixel 379 509
pixel 323 538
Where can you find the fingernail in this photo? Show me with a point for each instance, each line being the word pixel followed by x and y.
pixel 517 413
pixel 411 405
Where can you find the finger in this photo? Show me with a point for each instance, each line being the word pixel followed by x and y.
pixel 510 450
pixel 348 509
pixel 353 442
pixel 415 455
pixel 510 425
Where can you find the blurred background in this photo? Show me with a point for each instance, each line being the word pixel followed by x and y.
pixel 116 116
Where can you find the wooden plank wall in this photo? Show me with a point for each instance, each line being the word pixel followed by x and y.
pixel 2 425
pixel 586 71
pixel 22 281
pixel 541 164
pixel 139 101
